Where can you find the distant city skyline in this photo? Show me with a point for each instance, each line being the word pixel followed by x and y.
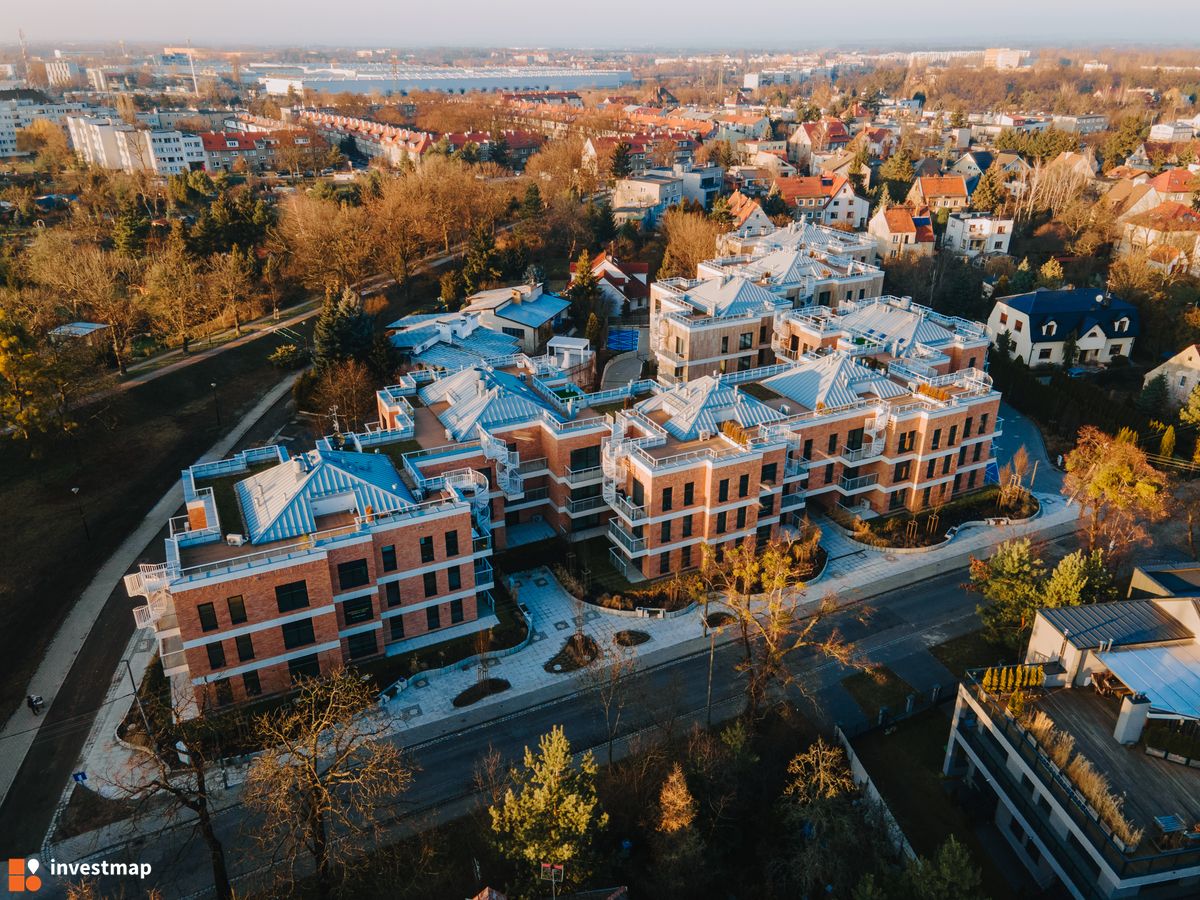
pixel 769 24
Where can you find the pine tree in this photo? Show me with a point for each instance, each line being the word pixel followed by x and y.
pixel 595 331
pixel 621 163
pixel 989 193
pixel 584 291
pixel 531 205
pixel 989 680
pixel 343 331
pixel 481 262
pixel 1153 398
pixel 1023 279
pixel 1166 446
pixel 130 230
pixel 1050 275
pixel 885 199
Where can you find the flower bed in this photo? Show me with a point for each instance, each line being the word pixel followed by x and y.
pixel 630 638
pixel 480 690
pixel 578 651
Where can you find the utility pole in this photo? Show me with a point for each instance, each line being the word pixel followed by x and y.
pixel 192 63
pixel 137 698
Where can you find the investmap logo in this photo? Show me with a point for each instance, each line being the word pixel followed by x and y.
pixel 22 876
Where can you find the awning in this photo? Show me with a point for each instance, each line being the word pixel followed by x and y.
pixel 1168 676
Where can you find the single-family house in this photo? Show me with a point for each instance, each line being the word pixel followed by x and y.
pixel 644 198
pixel 809 137
pixel 973 233
pixel 825 199
pixel 524 311
pixel 902 229
pixel 1181 373
pixel 1169 236
pixel 1040 324
pixel 624 284
pixel 940 192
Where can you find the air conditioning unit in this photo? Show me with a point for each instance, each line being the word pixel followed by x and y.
pixel 784 408
pixel 235 540
pixel 705 435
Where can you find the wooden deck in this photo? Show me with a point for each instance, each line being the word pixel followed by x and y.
pixel 1151 787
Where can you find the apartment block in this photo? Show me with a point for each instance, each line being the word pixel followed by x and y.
pixel 807 236
pixel 805 277
pixel 111 143
pixel 1119 692
pixel 19 113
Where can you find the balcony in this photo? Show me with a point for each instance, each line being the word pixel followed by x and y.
pixel 857 484
pixel 792 501
pixel 480 542
pixel 625 538
pixel 586 504
pixel 578 476
pixel 625 507
pixel 866 451
pixel 794 467
pixel 483 573
pixel 533 466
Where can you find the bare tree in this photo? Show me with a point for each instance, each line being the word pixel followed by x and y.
pixel 611 678
pixel 228 281
pixel 327 774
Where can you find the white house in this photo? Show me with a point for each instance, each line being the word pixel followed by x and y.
pixel 1040 324
pixel 1170 132
pixel 1181 372
pixel 524 311
pixel 645 198
pixel 973 233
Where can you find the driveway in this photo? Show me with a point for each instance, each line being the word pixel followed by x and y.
pixel 1020 431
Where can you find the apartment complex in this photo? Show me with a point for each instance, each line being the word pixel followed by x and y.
pixel 1121 682
pixel 111 143
pixel 22 109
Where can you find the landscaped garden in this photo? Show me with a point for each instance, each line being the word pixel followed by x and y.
pixel 928 527
pixel 577 651
pixel 481 689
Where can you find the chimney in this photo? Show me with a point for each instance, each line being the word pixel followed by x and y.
pixel 516 295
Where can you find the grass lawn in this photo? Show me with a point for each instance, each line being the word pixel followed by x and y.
pixel 396 450
pixel 970 651
pixel 877 688
pixel 86 811
pixel 906 766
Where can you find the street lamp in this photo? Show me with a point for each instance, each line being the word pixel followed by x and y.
pixel 216 402
pixel 83 518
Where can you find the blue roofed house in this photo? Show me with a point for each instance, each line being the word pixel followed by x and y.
pixel 525 312
pixel 1039 323
pixel 448 341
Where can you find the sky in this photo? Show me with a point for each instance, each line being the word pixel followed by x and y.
pixel 775 24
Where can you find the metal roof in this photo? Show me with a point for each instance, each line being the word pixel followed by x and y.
pixel 833 381
pixel 731 296
pixel 484 396
pixel 533 313
pixel 1123 622
pixel 703 404
pixel 1168 676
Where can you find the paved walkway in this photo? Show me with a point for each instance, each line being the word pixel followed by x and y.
pixel 621 370
pixel 22 726
pixel 1020 431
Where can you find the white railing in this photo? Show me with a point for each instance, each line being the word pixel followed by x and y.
pixel 874 448
pixel 586 504
pixel 855 484
pixel 574 476
pixel 625 538
pixel 625 507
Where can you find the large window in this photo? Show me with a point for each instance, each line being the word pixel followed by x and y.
pixel 452 543
pixel 769 473
pixel 391 592
pixel 353 574
pixel 686 528
pixel 208 616
pixel 358 610
pixel 291 596
pixel 224 691
pixel 237 609
pixel 427 549
pixel 363 644
pixel 216 655
pixel 245 647
pixel 721 522
pixel 396 626
pixel 666 499
pixel 433 618
pixel 387 556
pixel 251 684
pixel 431 584
pixel 689 493
pixel 723 490
pixel 456 611
pixel 743 485
pixel 298 634
pixel 304 667
pixel 454 578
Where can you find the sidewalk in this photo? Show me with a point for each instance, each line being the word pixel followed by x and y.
pixel 424 712
pixel 21 728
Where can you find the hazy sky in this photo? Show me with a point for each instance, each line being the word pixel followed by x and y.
pixel 607 23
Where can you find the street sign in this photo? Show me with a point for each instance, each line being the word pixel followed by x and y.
pixel 79 777
pixel 552 872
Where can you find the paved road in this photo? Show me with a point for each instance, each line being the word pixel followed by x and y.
pixel 900 626
pixel 1020 431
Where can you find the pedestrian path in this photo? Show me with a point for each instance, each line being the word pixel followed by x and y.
pixel 21 728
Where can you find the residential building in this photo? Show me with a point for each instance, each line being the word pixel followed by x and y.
pixel 374 140
pixel 1128 198
pixel 112 143
pixel 947 192
pixel 1118 678
pixel 828 134
pixel 228 151
pixel 1004 58
pixel 644 198
pixel 802 235
pixel 625 284
pixel 902 229
pixel 1168 235
pixel 1081 124
pixel 1170 132
pixel 1042 323
pixel 824 199
pixel 1181 373
pixel 973 233
pixel 973 164
pixel 525 312
pixel 701 184
pixel 1082 165
pixel 21 108
pixel 671 147
pixel 63 73
pixel 749 220
pixel 1178 184
pixel 802 275
pixel 449 341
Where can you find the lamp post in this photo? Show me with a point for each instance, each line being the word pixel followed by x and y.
pixel 83 518
pixel 216 402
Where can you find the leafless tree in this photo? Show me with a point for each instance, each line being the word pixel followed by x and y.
pixel 611 678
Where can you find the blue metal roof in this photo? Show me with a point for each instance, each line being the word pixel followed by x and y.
pixel 534 313
pixel 1123 622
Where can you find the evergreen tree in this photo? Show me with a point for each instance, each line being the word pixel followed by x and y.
pixel 584 292
pixel 720 213
pixel 1153 398
pixel 343 331
pixel 622 166
pixel 595 331
pixel 1009 581
pixel 450 285
pixel 1022 279
pixel 498 152
pixel 531 205
pixel 481 263
pixel 885 199
pixel 1166 446
pixel 990 194
pixel 130 230
pixel 600 220
pixel 1080 577
pixel 552 813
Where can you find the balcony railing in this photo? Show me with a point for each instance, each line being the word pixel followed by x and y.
pixel 586 504
pixel 794 467
pixel 480 542
pixel 483 572
pixel 874 448
pixel 528 467
pixel 792 501
pixel 632 544
pixel 855 484
pixel 575 476
pixel 624 506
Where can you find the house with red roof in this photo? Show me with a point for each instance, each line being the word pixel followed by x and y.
pixel 244 150
pixel 1176 184
pixel 902 229
pixel 827 135
pixel 643 147
pixel 826 199
pixel 749 220
pixel 626 285
pixel 1168 236
pixel 940 192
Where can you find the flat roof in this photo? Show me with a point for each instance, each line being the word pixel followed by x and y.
pixel 1169 676
pixel 1123 622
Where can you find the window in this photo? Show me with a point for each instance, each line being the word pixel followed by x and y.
pixel 353 574
pixel 723 490
pixel 833 442
pixel 664 563
pixel 908 440
pixel 245 647
pixel 957 481
pixel 363 644
pixel 452 543
pixel 962 455
pixel 427 548
pixel 666 499
pixel 967 428
pixel 745 340
pixel 743 485
pixel 665 536
pixel 1044 353
pixel 433 618
pixel 396 627
pixel 216 655
pixel 689 493
pixel 767 506
pixel 291 596
pixel 237 609
pixel 769 473
pixel 953 436
pixel 978 451
pixel 971 480
pixel 1019 326
pixel 251 684
pixel 925 499
pixel 929 468
pixel 725 344
pixel 829 473
pixel 391 592
pixel 224 692
pixel 358 610
pixel 741 517
pixel 304 667
pixel 454 578
pixel 298 634
pixel 687 526
pixel 902 471
pixel 983 423
pixel 430 584
pixel 937 438
pixel 808 449
pixel 208 616
pixel 945 465
pixel 685 557
pixel 896 500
